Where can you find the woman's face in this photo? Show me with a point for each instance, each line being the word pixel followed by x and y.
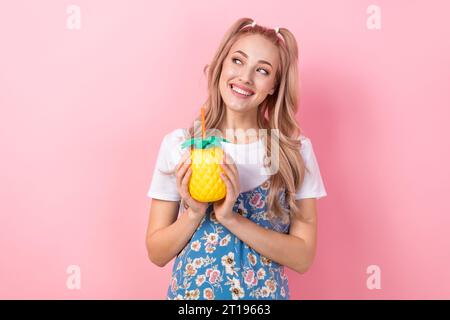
pixel 251 64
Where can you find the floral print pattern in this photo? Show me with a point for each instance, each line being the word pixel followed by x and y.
pixel 215 264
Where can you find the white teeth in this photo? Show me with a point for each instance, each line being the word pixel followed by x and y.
pixel 238 90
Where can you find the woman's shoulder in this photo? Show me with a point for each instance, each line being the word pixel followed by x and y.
pixel 175 137
pixel 171 146
pixel 178 132
pixel 305 141
pixel 303 138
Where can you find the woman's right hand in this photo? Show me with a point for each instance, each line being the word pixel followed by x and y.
pixel 183 173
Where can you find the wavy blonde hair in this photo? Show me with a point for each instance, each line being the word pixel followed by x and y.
pixel 277 111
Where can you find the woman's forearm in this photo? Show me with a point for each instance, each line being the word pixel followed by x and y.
pixel 284 249
pixel 165 244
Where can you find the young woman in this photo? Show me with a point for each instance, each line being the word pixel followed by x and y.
pixel 236 248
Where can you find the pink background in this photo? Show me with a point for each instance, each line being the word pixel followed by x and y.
pixel 83 113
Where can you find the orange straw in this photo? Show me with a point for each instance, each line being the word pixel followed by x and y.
pixel 203 123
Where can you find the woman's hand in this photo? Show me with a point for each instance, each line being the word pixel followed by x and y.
pixel 183 173
pixel 223 208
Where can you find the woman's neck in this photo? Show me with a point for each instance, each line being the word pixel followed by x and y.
pixel 240 128
pixel 239 121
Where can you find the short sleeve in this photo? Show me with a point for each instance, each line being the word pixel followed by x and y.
pixel 313 186
pixel 164 186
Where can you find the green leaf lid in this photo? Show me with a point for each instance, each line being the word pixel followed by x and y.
pixel 204 143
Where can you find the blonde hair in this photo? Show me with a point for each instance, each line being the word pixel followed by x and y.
pixel 277 111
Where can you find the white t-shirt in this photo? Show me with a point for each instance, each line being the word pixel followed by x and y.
pixel 248 158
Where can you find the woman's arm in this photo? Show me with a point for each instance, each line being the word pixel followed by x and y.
pixel 167 235
pixel 295 250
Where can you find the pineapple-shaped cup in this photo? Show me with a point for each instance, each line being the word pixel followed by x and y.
pixel 205 184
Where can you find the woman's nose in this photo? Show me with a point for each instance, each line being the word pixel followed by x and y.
pixel 247 76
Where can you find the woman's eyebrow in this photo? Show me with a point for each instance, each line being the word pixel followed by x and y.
pixel 260 61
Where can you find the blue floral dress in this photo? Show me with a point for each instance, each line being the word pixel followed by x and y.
pixel 215 264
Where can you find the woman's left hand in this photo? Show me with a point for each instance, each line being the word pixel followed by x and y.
pixel 224 208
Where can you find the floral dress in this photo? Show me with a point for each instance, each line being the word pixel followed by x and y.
pixel 215 264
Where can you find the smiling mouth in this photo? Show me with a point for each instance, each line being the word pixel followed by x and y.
pixel 239 92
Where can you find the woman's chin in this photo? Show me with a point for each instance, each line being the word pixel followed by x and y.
pixel 239 107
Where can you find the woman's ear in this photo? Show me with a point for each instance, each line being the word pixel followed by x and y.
pixel 273 89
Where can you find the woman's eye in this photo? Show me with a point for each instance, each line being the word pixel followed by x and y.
pixel 266 72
